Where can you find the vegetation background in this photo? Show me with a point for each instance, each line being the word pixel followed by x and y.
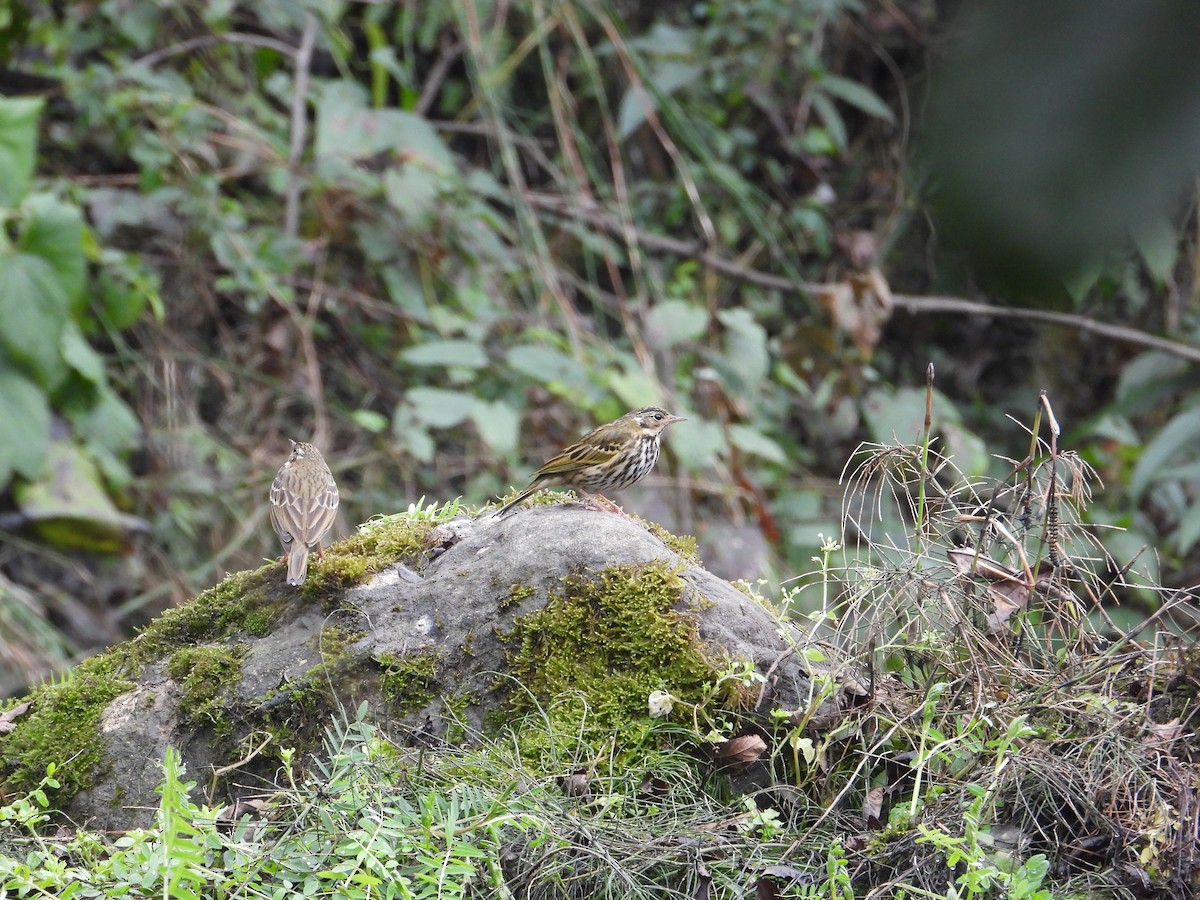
pixel 443 239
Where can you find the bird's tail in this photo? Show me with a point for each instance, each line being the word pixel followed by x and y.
pixel 507 507
pixel 297 563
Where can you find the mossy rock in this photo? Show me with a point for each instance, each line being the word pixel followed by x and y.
pixel 444 631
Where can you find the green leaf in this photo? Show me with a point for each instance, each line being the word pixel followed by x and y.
pixel 347 129
pixel 675 322
pixel 835 126
pixel 547 365
pixel 634 386
pixel 1158 245
pixel 18 146
pixel 745 352
pixel 79 355
pixel 33 310
pixel 857 95
pixel 369 420
pixel 70 506
pixel 108 423
pixel 751 440
pixel 439 408
pixel 446 353
pixel 26 435
pixel 1181 433
pixel 498 424
pixel 705 440
pixel 53 231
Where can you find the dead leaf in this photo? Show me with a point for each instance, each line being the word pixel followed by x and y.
pixel 9 715
pixel 654 786
pixel 576 784
pixel 1163 735
pixel 740 751
pixel 775 877
pixel 873 808
pixel 858 307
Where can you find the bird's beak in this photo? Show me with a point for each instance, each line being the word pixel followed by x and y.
pixel 674 419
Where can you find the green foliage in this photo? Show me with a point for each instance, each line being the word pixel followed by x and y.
pixel 47 366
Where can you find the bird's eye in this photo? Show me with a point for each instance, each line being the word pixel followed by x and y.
pixel 658 417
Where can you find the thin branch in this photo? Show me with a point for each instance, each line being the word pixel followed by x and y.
pixel 913 304
pixel 208 40
pixel 299 129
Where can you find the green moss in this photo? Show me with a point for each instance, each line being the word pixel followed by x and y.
pixel 245 602
pixel 375 546
pixel 61 727
pixel 409 682
pixel 683 544
pixel 611 640
pixel 516 593
pixel 203 674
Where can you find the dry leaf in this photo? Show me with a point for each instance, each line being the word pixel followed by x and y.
pixel 858 307
pixel 873 808
pixel 740 751
pixel 9 715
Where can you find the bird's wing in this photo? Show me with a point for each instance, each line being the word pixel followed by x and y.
pixel 596 447
pixel 305 519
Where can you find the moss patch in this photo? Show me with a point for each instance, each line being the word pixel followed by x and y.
pixel 683 544
pixel 613 639
pixel 375 546
pixel 409 681
pixel 61 727
pixel 516 593
pixel 245 602
pixel 203 674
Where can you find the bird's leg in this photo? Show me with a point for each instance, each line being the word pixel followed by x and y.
pixel 599 501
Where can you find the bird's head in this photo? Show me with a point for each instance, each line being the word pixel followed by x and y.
pixel 652 420
pixel 302 450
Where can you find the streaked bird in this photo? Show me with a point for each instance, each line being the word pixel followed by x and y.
pixel 608 459
pixel 304 501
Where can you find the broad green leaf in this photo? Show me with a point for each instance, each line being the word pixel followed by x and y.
pixel 369 420
pixel 70 507
pixel 498 424
pixel 745 351
pixel 894 416
pixel 25 413
pixel 1143 378
pixel 857 95
pixel 751 440
pixel 547 366
pixel 79 355
pixel 1181 434
pixel 439 408
pixel 669 49
pixel 18 146
pixel 634 387
pixel 446 353
pixel 835 126
pixel 108 423
pixel 33 311
pixel 704 442
pixel 347 129
pixel 1188 530
pixel 1158 245
pixel 675 322
pixel 53 231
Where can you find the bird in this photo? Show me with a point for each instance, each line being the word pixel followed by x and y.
pixel 609 458
pixel 304 500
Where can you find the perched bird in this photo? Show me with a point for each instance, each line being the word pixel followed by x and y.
pixel 611 458
pixel 304 500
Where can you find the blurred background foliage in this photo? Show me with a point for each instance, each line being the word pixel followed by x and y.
pixel 443 239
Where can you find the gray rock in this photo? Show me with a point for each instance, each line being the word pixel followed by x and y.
pixel 454 613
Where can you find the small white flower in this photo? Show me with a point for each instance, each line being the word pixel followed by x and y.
pixel 661 703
